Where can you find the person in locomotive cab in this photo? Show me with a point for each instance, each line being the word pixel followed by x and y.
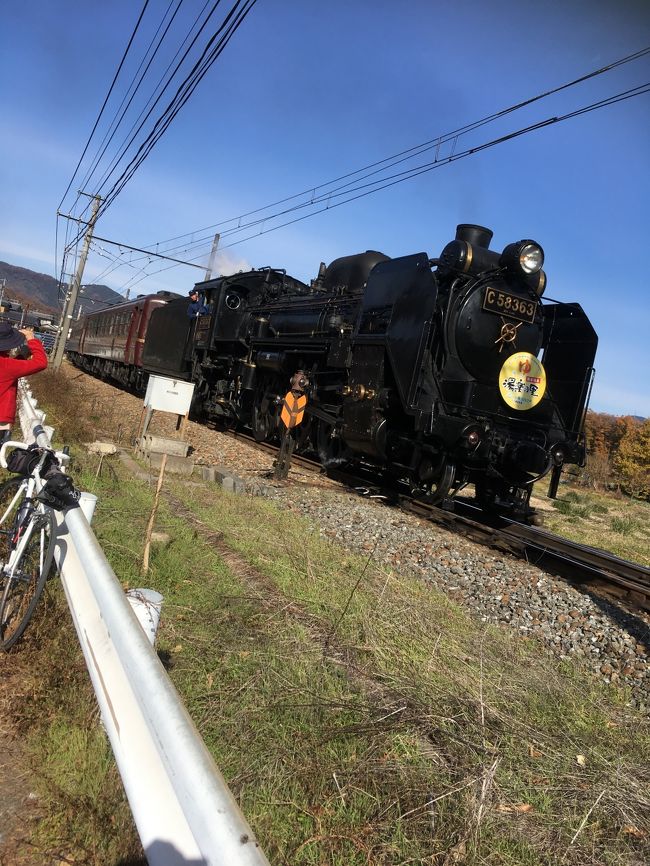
pixel 13 344
pixel 196 307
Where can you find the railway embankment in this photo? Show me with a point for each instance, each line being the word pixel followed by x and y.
pixel 375 689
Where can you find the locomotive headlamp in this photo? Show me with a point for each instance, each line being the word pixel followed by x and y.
pixel 526 256
pixel 531 258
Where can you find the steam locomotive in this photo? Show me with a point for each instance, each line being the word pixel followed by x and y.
pixel 438 372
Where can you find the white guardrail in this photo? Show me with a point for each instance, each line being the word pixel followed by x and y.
pixel 182 807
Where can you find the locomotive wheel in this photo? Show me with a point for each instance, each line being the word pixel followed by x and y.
pixel 437 490
pixel 262 421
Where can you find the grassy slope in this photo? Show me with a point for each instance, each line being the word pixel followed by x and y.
pixel 603 520
pixel 358 716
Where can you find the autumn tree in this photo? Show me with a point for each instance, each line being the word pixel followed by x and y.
pixel 602 436
pixel 632 461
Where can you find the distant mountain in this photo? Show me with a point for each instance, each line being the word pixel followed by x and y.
pixel 40 292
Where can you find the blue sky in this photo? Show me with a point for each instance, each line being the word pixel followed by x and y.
pixel 308 91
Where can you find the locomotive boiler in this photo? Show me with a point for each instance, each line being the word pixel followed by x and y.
pixel 438 372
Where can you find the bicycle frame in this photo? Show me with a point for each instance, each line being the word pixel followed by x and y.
pixel 27 489
pixel 27 520
pixel 21 539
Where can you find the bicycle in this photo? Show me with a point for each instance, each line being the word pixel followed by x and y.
pixel 27 531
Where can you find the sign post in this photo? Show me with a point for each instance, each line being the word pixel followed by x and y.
pixel 163 395
pixel 292 414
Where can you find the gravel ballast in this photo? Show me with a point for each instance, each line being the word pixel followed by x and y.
pixel 610 639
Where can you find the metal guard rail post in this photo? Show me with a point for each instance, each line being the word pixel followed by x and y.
pixel 182 807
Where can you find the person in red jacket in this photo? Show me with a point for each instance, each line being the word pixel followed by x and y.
pixel 12 368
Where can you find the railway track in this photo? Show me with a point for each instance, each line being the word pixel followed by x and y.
pixel 576 562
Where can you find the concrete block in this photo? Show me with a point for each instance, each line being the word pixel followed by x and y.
pixel 221 472
pixel 151 444
pixel 223 476
pixel 257 489
pixel 175 465
pixel 233 484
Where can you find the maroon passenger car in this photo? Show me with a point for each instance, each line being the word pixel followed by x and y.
pixel 109 343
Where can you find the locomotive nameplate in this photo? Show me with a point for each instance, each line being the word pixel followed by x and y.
pixel 522 381
pixel 504 304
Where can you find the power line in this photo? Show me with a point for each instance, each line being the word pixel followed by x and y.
pixel 126 144
pixel 384 183
pixel 210 53
pixel 330 197
pixel 231 24
pixel 122 109
pixel 418 149
pixel 406 175
pixel 110 90
pixel 359 183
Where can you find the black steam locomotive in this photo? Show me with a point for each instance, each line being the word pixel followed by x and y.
pixel 441 377
pixel 440 372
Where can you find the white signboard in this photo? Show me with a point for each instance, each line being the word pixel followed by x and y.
pixel 169 395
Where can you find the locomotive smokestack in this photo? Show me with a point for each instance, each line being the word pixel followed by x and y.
pixel 477 236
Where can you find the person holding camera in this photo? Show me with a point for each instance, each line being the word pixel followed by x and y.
pixel 14 344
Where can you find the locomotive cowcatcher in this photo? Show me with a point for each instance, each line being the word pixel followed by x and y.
pixel 440 372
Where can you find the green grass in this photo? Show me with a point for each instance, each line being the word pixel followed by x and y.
pixel 624 525
pixel 359 716
pixel 81 812
pixel 469 696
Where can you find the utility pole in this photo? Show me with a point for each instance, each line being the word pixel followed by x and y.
pixel 71 297
pixel 213 254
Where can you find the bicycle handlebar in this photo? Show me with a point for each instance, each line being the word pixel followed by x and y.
pixel 61 456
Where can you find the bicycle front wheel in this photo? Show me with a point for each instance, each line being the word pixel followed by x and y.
pixel 29 572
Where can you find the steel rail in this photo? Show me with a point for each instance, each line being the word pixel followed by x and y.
pixel 542 548
pixel 600 563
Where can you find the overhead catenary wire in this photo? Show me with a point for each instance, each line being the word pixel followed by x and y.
pixel 107 97
pixel 365 181
pixel 430 166
pixel 132 90
pixel 402 176
pixel 395 179
pixel 347 192
pixel 230 24
pixel 415 150
pixel 364 190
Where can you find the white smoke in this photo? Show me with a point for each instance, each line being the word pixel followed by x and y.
pixel 227 264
